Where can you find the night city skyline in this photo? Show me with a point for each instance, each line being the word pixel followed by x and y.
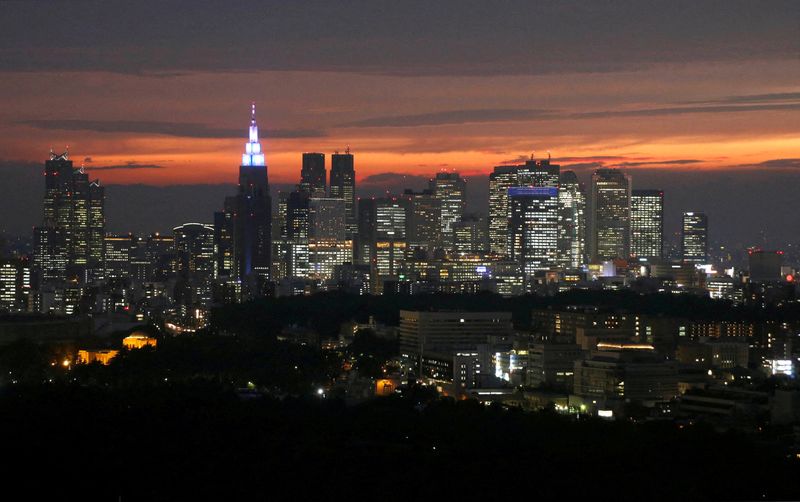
pixel 704 110
pixel 458 249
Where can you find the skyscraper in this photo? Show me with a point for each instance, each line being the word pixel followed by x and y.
pixel 343 186
pixel 533 228
pixel 365 240
pixel 390 234
pixel 424 224
pixel 297 232
pixel 610 213
pixel 571 221
pixel 538 173
pixel 196 263
pixel 71 239
pixel 328 245
pixel 503 178
pixel 252 215
pixel 450 190
pixel 533 173
pixel 647 223
pixel 694 238
pixel 312 174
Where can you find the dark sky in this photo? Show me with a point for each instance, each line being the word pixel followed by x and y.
pixel 699 98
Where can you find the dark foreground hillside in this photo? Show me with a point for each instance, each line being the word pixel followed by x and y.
pixel 198 441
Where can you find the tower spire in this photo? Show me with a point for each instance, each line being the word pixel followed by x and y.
pixel 252 155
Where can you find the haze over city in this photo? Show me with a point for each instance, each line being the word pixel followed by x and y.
pixel 698 99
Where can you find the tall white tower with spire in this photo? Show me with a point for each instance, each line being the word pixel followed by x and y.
pixel 253 156
pixel 250 215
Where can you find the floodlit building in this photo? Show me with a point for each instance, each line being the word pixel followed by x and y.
pixel 647 224
pixel 450 190
pixel 571 222
pixel 610 213
pixel 694 238
pixel 343 186
pixel 533 228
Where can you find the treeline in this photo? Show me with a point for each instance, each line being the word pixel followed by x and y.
pixel 324 312
pixel 228 361
pixel 198 440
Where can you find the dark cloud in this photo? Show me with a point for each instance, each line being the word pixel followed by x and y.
pixel 456 117
pixel 391 180
pixel 180 129
pixel 771 164
pixel 582 166
pixel 452 117
pixel 519 159
pixel 129 165
pixel 415 37
pixel 678 162
pixel 751 98
pixel 682 110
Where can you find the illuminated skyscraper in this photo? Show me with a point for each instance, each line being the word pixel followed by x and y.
pixel 610 213
pixel 343 186
pixel 15 285
pixel 71 239
pixel 252 215
pixel 538 173
pixel 450 190
pixel 328 245
pixel 297 232
pixel 119 251
pixel 312 174
pixel 365 240
pixel 469 235
pixel 533 173
pixel 533 228
pixel 694 241
pixel 647 223
pixel 196 263
pixel 424 224
pixel 571 221
pixel 391 221
pixel 503 178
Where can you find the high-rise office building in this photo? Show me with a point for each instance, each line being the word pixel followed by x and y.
pixel 224 238
pixel 196 263
pixel 450 190
pixel 326 219
pixel 538 173
pixel 119 251
pixel 694 237
pixel 533 173
pixel 328 245
pixel 365 240
pixel 50 254
pixel 571 221
pixel 533 228
pixel 73 227
pixel 252 215
pixel 343 186
pixel 391 220
pixel 647 223
pixel 280 241
pixel 610 213
pixel 297 232
pixel 15 285
pixel 500 180
pixel 469 235
pixel 424 224
pixel 312 174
